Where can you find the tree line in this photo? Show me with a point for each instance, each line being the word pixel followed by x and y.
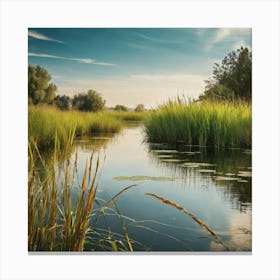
pixel 231 80
pixel 42 91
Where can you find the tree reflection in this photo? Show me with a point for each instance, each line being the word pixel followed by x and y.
pixel 229 171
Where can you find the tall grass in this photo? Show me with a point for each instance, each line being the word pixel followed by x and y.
pixel 45 121
pixel 206 123
pixel 129 116
pixel 60 208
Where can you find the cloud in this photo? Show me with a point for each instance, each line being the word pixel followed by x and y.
pixel 232 36
pixel 152 39
pixel 81 60
pixel 160 40
pixel 43 55
pixel 39 36
pixel 221 34
pixel 234 33
pixel 240 232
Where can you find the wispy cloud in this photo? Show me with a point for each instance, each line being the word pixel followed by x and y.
pixel 234 36
pixel 160 40
pixel 149 38
pixel 222 34
pixel 81 60
pixel 39 36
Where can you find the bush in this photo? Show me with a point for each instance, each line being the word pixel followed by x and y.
pixel 90 101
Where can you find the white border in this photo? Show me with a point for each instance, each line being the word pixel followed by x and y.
pixel 17 16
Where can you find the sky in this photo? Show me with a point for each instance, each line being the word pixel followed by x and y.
pixel 131 66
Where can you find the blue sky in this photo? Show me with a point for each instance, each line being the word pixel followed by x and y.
pixel 132 65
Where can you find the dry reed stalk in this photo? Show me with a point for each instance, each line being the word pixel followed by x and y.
pixel 54 224
pixel 196 219
pixel 112 200
pixel 128 241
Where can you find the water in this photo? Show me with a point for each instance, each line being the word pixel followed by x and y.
pixel 214 186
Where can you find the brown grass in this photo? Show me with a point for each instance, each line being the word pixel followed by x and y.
pixel 57 221
pixel 195 218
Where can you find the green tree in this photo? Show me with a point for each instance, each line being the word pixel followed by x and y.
pixel 140 108
pixel 50 93
pixel 217 92
pixel 232 78
pixel 39 88
pixel 120 108
pixel 90 101
pixel 62 102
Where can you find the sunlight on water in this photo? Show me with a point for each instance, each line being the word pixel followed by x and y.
pixel 216 187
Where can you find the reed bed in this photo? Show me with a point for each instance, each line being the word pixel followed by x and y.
pixel 44 121
pixel 201 123
pixel 61 211
pixel 129 116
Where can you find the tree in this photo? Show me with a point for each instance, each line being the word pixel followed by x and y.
pixel 232 78
pixel 78 101
pixel 120 108
pixel 39 88
pixel 140 108
pixel 50 93
pixel 217 92
pixel 90 101
pixel 62 102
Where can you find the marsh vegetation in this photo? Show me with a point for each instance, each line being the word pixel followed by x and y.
pixel 173 178
pixel 218 124
pixel 47 122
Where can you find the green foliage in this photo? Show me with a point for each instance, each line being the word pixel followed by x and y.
pixel 44 122
pixel 50 93
pixel 128 116
pixel 221 124
pixel 217 92
pixel 140 108
pixel 232 79
pixel 90 101
pixel 63 212
pixel 63 102
pixel 39 88
pixel 121 108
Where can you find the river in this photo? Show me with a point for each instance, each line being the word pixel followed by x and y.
pixel 214 186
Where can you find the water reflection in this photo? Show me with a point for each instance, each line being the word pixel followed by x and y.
pixel 215 186
pixel 96 142
pixel 229 170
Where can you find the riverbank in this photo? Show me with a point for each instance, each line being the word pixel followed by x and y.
pixel 45 123
pixel 223 124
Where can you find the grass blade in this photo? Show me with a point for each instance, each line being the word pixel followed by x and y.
pixel 195 218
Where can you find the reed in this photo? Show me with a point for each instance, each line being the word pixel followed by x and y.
pixel 43 121
pixel 194 217
pixel 61 210
pixel 206 123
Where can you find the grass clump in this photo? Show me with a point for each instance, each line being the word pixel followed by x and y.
pixel 201 123
pixel 61 211
pixel 45 121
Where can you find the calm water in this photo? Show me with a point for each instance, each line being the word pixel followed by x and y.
pixel 214 186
